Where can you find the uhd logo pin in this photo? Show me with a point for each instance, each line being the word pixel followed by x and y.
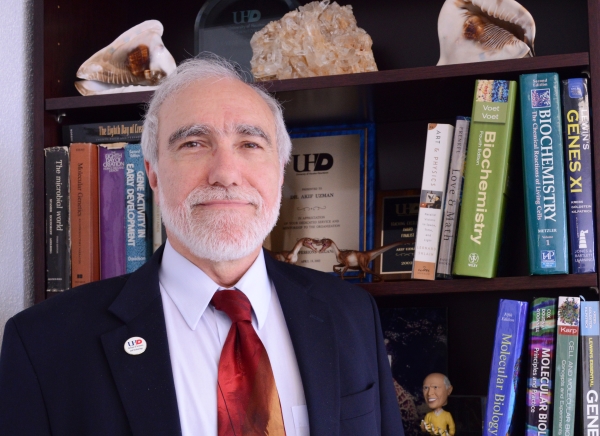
pixel 135 346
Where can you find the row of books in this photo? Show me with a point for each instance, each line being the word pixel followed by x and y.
pixel 561 337
pixel 464 190
pixel 100 218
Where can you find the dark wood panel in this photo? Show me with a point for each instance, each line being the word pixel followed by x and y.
pixel 475 286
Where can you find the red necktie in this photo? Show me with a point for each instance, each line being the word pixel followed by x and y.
pixel 247 399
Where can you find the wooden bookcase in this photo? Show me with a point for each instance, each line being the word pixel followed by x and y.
pixel 408 92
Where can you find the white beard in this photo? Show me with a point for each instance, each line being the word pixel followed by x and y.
pixel 219 235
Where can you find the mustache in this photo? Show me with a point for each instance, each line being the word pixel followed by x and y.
pixel 204 194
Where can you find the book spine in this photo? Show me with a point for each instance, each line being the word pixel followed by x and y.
pixel 138 217
pixel 56 161
pixel 433 188
pixel 157 236
pixel 590 367
pixel 506 364
pixel 543 174
pixel 85 245
pixel 112 210
pixel 542 330
pixel 103 133
pixel 580 184
pixel 565 376
pixel 486 179
pixel 453 196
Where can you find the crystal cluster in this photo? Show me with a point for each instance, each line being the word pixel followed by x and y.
pixel 317 39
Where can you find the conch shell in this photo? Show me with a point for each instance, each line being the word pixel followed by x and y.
pixel 137 57
pixel 484 30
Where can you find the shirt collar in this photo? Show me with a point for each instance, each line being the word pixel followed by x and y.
pixel 191 289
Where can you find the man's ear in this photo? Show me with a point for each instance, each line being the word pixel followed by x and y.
pixel 449 390
pixel 152 178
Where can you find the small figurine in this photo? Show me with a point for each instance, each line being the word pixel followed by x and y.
pixel 436 389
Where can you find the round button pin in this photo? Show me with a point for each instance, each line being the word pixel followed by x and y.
pixel 135 346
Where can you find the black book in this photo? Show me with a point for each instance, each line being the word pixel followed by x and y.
pixel 58 256
pixel 103 133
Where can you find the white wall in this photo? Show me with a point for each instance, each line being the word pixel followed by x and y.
pixel 16 125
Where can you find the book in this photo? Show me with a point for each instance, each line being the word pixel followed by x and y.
pixel 453 197
pixel 590 367
pixel 565 376
pixel 138 207
pixel 56 174
pixel 157 226
pixel 543 174
pixel 85 244
pixel 542 331
pixel 433 189
pixel 103 133
pixel 580 183
pixel 511 324
pixel 486 179
pixel 111 169
pixel 416 341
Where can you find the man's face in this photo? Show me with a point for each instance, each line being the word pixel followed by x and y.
pixel 218 175
pixel 435 391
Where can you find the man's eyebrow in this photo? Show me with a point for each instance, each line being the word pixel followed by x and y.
pixel 187 131
pixel 250 130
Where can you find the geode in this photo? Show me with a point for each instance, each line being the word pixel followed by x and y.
pixel 318 39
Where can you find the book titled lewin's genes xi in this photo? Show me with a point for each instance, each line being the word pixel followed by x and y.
pixel 580 185
pixel 542 329
pixel 511 325
pixel 565 375
pixel 543 174
pixel 486 179
pixel 433 188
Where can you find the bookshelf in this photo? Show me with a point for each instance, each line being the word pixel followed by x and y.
pixel 407 92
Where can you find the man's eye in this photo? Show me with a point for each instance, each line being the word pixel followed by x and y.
pixel 251 145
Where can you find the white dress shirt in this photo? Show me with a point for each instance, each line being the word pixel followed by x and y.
pixel 197 333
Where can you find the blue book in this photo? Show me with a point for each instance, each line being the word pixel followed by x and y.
pixel 580 184
pixel 543 174
pixel 138 209
pixel 511 326
pixel 590 366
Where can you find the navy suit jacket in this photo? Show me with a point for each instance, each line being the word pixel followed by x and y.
pixel 64 370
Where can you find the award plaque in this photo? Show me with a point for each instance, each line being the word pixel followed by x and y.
pixel 328 196
pixel 397 215
pixel 225 27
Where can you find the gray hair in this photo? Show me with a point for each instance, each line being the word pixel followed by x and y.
pixel 199 68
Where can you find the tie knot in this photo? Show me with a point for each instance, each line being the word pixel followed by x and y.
pixel 234 303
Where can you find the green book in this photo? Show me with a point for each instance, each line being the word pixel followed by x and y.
pixel 565 376
pixel 544 174
pixel 486 179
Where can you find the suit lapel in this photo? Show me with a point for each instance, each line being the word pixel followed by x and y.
pixel 312 332
pixel 145 381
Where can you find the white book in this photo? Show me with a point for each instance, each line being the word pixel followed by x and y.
pixel 453 195
pixel 433 189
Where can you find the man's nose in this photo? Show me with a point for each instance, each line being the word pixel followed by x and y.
pixel 224 167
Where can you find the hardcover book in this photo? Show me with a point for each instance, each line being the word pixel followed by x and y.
pixel 85 244
pixel 416 340
pixel 543 174
pixel 111 163
pixel 580 183
pixel 590 367
pixel 506 366
pixel 103 133
pixel 486 179
pixel 138 205
pixel 433 189
pixel 157 226
pixel 453 197
pixel 565 376
pixel 58 272
pixel 542 330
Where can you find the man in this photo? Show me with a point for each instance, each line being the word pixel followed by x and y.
pixel 436 390
pixel 157 352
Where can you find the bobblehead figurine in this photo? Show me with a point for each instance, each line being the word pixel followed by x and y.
pixel 436 389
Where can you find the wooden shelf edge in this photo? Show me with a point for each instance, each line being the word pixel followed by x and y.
pixel 345 80
pixel 466 285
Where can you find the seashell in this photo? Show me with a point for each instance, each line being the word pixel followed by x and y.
pixel 484 30
pixel 92 87
pixel 137 57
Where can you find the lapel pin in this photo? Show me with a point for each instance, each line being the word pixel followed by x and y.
pixel 135 346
